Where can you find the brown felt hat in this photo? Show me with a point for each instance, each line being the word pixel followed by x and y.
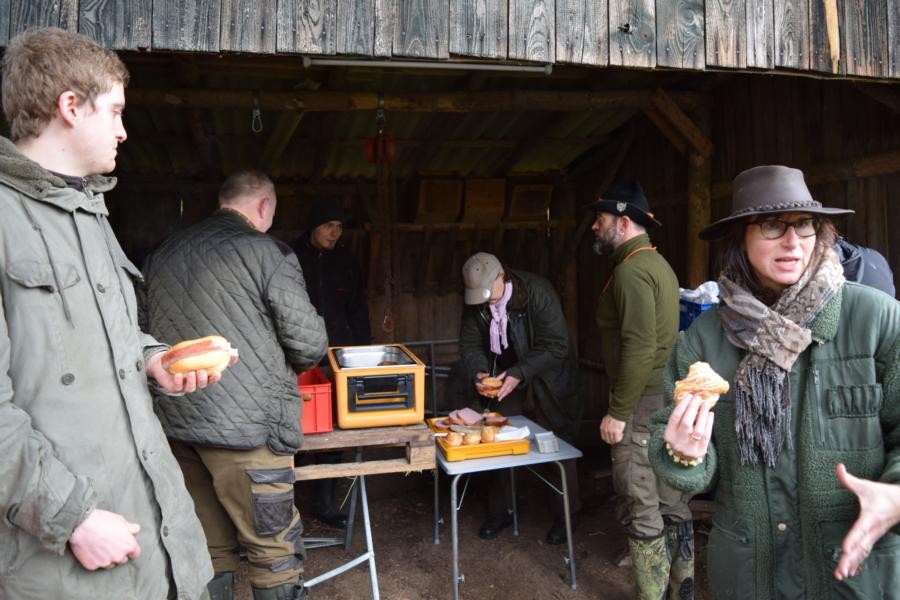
pixel 765 190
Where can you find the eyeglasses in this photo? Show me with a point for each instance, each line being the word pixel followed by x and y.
pixel 772 229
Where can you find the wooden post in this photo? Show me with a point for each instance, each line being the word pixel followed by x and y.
pixel 699 173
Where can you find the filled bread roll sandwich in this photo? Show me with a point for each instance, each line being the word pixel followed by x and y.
pixel 212 354
pixel 490 386
pixel 701 381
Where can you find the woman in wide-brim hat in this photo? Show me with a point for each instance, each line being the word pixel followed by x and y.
pixel 814 368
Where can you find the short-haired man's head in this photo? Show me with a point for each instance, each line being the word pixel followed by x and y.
pixel 243 186
pixel 41 64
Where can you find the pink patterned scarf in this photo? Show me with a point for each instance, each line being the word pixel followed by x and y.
pixel 500 320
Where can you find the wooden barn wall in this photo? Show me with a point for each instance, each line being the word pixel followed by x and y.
pixel 841 37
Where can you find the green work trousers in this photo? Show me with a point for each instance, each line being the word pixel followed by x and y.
pixel 245 499
pixel 643 499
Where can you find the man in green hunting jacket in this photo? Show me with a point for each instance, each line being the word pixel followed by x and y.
pixel 638 320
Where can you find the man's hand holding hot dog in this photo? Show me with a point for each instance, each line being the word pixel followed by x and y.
pixel 192 364
pixel 179 383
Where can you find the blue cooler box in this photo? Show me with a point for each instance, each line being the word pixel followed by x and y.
pixel 688 311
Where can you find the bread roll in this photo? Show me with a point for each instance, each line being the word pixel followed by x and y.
pixel 487 434
pixel 490 386
pixel 454 439
pixel 701 381
pixel 472 438
pixel 211 354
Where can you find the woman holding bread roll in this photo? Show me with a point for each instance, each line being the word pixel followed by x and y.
pixel 812 365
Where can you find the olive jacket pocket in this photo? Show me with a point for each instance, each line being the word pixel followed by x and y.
pixel 851 419
pixel 880 571
pixel 40 275
pixel 730 556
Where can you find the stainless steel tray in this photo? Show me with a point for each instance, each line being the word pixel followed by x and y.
pixel 367 357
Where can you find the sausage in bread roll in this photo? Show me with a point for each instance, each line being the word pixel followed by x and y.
pixel 211 354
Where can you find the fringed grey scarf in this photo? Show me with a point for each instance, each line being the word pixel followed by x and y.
pixel 774 336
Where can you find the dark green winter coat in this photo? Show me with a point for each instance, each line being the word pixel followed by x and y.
pixel 538 334
pixel 77 429
pixel 222 277
pixel 777 532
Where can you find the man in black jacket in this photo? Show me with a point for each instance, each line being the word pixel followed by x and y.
pixel 336 289
pixel 235 442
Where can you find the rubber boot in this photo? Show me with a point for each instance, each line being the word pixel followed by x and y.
pixel 650 560
pixel 221 587
pixel 680 543
pixel 286 591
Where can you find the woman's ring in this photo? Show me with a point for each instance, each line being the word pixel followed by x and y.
pixel 696 437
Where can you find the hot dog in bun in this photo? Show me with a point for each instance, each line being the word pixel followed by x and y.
pixel 211 354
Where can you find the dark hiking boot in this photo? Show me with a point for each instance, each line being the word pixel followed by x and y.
pixel 494 524
pixel 286 591
pixel 557 533
pixel 221 587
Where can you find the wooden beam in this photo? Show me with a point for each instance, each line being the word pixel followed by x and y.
pixel 884 94
pixel 694 136
pixel 665 127
pixel 281 136
pixel 454 102
pixel 876 165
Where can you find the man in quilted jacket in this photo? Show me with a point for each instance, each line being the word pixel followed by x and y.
pixel 236 444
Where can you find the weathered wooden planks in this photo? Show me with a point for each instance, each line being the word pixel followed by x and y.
pixel 760 34
pixel 305 26
pixel 632 33
pixel 532 30
pixel 893 24
pixel 824 37
pixel 479 28
pixel 187 25
pixel 116 24
pixel 421 29
pixel 23 14
pixel 842 37
pixel 681 34
pixel 354 27
pixel 726 33
pixel 385 22
pixel 582 34
pixel 792 34
pixel 249 26
pixel 865 38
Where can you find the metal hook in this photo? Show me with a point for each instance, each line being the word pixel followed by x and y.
pixel 379 114
pixel 256 125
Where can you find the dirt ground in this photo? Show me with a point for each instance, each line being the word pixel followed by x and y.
pixel 412 567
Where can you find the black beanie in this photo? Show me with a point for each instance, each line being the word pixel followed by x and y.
pixel 323 211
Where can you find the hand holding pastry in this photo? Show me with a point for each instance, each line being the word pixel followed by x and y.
pixel 701 381
pixel 690 425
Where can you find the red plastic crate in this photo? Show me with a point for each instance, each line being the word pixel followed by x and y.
pixel 315 389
